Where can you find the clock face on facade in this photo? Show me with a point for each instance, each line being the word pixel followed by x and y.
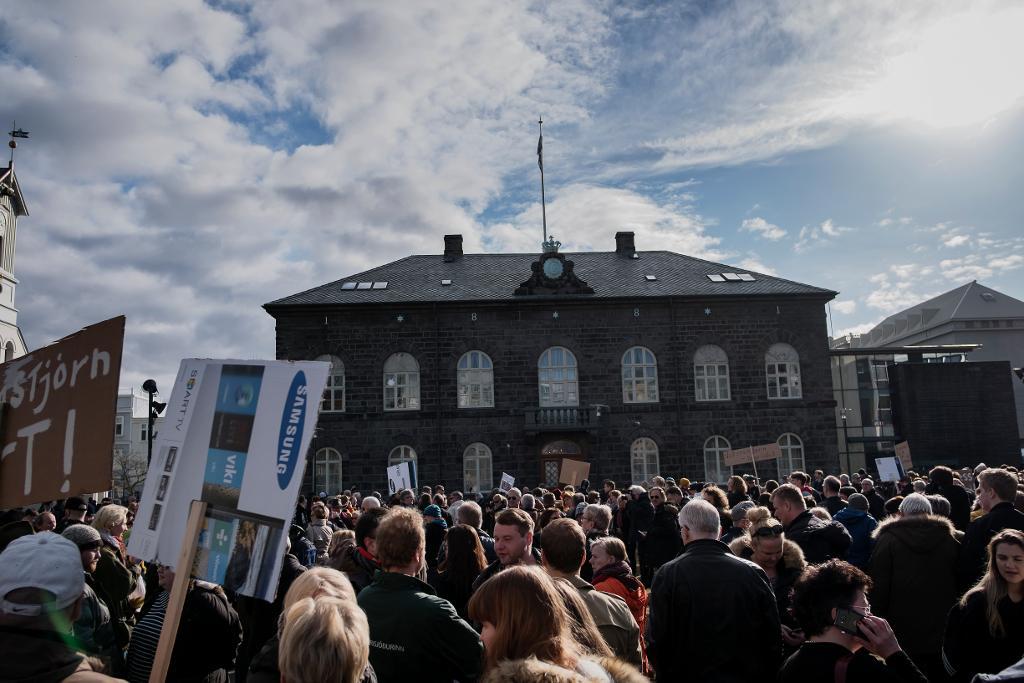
pixel 553 268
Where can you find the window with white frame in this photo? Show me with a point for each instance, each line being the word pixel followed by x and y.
pixel 400 454
pixel 333 400
pixel 715 469
pixel 327 470
pixel 477 468
pixel 119 425
pixel 643 460
pixel 557 378
pixel 711 373
pixel 792 453
pixel 401 382
pixel 143 431
pixel 476 380
pixel 639 376
pixel 782 367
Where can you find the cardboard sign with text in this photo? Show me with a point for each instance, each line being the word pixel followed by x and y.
pixel 508 482
pixel 58 422
pixel 768 451
pixel 235 435
pixel 889 469
pixel 399 477
pixel 903 453
pixel 573 472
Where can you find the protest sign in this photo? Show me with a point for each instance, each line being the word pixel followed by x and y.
pixel 399 477
pixel 507 482
pixel 903 453
pixel 768 451
pixel 235 436
pixel 573 472
pixel 889 469
pixel 58 424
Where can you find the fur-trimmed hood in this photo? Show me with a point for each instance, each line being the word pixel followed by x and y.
pixel 533 670
pixel 919 532
pixel 792 556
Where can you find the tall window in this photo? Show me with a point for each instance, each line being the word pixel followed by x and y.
pixel 643 460
pixel 782 367
pixel 557 378
pixel 334 393
pixel 327 471
pixel 8 351
pixel 792 453
pixel 639 376
pixel 401 382
pixel 711 374
pixel 143 431
pixel 119 425
pixel 477 472
pixel 714 469
pixel 400 454
pixel 476 380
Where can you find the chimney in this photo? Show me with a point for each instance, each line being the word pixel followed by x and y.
pixel 452 247
pixel 624 244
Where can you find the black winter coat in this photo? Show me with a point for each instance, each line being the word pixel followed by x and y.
pixel 979 533
pixel 970 648
pixel 663 541
pixel 816 662
pixel 640 513
pixel 820 540
pixel 959 504
pixel 702 604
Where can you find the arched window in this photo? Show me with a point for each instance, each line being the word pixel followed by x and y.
pixel 476 380
pixel 714 469
pixel 557 378
pixel 792 454
pixel 334 393
pixel 782 367
pixel 400 454
pixel 8 351
pixel 401 382
pixel 477 472
pixel 711 374
pixel 643 460
pixel 327 471
pixel 639 376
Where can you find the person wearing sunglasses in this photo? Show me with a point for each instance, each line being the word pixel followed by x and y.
pixel 766 546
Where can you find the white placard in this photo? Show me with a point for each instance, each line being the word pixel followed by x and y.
pixel 889 469
pixel 399 477
pixel 507 482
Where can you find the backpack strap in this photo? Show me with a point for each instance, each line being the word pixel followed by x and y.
pixel 842 664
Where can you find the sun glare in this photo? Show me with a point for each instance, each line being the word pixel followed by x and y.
pixel 960 71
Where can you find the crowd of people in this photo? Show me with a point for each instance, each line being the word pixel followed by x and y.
pixel 815 578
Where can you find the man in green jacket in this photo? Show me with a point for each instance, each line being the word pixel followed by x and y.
pixel 414 635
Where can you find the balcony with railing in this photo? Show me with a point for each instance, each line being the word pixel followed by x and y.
pixel 560 419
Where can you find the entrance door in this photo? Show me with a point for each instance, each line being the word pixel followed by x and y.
pixel 551 459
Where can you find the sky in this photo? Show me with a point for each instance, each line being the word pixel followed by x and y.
pixel 190 161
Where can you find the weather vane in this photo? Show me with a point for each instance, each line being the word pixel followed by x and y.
pixel 15 133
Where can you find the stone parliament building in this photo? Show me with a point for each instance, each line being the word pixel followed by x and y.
pixel 638 362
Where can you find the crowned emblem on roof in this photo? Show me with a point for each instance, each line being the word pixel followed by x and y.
pixel 552 273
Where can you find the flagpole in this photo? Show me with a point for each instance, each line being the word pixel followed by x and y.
pixel 540 163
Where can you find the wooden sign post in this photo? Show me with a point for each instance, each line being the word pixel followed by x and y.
pixel 176 600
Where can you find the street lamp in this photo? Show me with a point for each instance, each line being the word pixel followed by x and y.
pixel 155 408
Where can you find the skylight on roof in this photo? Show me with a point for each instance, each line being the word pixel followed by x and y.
pixel 348 285
pixel 364 285
pixel 731 277
pixel 650 278
pixel 746 277
pixel 380 285
pixel 446 283
pixel 715 277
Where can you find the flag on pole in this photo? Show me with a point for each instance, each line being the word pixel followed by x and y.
pixel 540 152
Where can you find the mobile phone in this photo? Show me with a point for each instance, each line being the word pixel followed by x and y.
pixel 847 620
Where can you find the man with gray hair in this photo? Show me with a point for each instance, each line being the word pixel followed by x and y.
pixel 707 600
pixel 369 503
pixel 594 521
pixel 470 514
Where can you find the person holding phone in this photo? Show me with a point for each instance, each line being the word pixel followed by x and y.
pixel 830 604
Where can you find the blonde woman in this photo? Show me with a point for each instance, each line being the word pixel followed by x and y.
pixel 117 578
pixel 319 531
pixel 341 636
pixel 317 583
pixel 985 630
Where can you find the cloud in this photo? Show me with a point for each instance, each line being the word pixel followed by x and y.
pixel 845 307
pixel 954 239
pixel 899 287
pixel 814 235
pixel 763 228
pixel 753 263
pixel 862 328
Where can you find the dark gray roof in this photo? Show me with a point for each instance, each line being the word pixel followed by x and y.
pixel 494 277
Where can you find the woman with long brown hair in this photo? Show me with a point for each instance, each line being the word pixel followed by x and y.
pixel 985 630
pixel 464 560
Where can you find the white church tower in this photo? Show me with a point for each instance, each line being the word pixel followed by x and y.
pixel 12 207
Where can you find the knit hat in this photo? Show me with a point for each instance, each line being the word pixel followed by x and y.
pixel 432 511
pixel 739 511
pixel 684 483
pixel 45 561
pixel 858 501
pixel 83 535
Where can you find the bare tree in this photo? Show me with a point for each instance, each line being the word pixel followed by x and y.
pixel 129 471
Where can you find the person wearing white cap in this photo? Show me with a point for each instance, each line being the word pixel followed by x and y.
pixel 41 589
